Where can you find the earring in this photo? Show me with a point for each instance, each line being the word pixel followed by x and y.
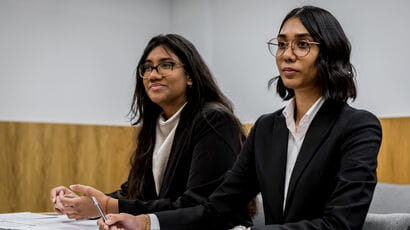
pixel 189 83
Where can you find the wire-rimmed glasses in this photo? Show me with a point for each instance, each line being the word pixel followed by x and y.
pixel 300 47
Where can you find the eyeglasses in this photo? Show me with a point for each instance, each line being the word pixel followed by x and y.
pixel 163 69
pixel 300 47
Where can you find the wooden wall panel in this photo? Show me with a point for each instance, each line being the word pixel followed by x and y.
pixel 394 154
pixel 35 157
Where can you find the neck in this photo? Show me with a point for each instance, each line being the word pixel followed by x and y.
pixel 170 110
pixel 303 102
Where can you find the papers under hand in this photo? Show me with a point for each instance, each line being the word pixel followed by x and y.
pixel 34 221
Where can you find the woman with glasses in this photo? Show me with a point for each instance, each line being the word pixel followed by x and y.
pixel 188 139
pixel 314 161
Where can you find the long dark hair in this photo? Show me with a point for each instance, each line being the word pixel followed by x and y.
pixel 336 73
pixel 144 112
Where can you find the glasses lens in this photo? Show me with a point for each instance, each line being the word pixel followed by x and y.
pixel 273 47
pixel 144 71
pixel 165 68
pixel 301 48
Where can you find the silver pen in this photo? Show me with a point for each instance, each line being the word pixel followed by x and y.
pixel 95 202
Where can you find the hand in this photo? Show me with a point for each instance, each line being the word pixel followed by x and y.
pixel 55 195
pixel 81 207
pixel 122 221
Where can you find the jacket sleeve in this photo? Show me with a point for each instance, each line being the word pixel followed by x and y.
pixel 356 179
pixel 220 212
pixel 216 142
pixel 120 193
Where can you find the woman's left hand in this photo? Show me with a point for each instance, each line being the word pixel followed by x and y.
pixel 81 207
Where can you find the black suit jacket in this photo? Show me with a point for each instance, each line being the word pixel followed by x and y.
pixel 331 185
pixel 205 147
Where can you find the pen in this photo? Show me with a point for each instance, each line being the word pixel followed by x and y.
pixel 95 202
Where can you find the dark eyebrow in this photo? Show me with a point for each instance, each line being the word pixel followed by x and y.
pixel 303 35
pixel 297 35
pixel 168 59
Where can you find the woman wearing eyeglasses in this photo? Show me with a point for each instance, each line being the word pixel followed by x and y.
pixel 313 161
pixel 188 137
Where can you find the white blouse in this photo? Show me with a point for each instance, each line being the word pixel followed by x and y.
pixel 297 135
pixel 164 137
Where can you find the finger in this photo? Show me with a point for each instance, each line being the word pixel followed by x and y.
pixel 61 193
pixel 59 205
pixel 55 191
pixel 53 195
pixel 70 196
pixel 58 211
pixel 70 211
pixel 112 219
pixel 80 217
pixel 114 227
pixel 102 227
pixel 101 224
pixel 70 199
pixel 67 201
pixel 72 215
pixel 86 190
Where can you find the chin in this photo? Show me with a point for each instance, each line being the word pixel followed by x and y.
pixel 157 100
pixel 288 83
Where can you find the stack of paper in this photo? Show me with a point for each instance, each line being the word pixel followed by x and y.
pixel 33 221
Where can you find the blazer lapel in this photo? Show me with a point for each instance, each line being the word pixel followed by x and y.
pixel 181 137
pixel 274 162
pixel 316 134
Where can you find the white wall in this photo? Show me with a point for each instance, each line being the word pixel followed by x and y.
pixel 243 66
pixel 72 61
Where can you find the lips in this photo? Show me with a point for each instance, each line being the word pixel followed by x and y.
pixel 156 86
pixel 289 71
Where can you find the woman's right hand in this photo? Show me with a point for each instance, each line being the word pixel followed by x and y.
pixel 55 196
pixel 122 221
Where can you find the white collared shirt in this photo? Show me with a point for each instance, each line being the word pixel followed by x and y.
pixel 296 135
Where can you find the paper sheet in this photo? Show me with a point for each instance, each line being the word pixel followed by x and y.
pixel 34 221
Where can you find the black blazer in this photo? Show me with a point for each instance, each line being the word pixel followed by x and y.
pixel 331 185
pixel 205 147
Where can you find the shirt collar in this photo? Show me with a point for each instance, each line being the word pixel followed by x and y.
pixel 289 111
pixel 314 108
pixel 172 119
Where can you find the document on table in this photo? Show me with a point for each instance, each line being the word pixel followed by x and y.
pixel 34 221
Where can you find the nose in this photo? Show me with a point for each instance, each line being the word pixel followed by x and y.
pixel 155 75
pixel 289 54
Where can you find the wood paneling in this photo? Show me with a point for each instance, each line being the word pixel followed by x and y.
pixel 35 157
pixel 394 154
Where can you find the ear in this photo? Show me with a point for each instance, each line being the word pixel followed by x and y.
pixel 189 81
